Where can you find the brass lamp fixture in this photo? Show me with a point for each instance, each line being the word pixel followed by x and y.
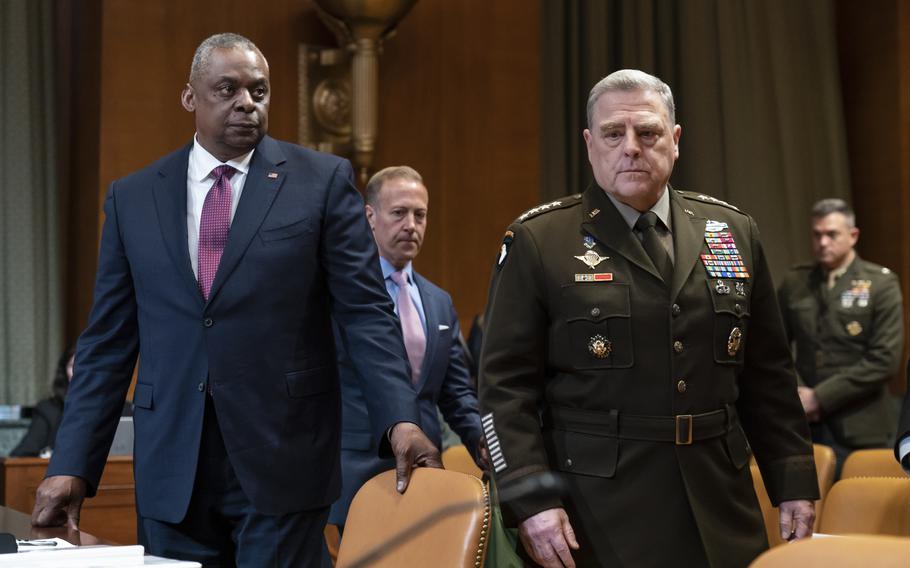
pixel 339 88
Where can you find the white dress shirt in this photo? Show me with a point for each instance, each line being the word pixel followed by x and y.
pixel 198 183
pixel 903 451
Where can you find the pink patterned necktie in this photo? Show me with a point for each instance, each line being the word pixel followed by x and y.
pixel 214 224
pixel 415 340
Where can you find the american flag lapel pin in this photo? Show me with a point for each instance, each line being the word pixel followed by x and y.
pixel 273 175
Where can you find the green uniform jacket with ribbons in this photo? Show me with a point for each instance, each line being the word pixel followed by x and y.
pixel 592 366
pixel 849 341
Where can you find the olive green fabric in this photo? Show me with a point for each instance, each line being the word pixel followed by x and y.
pixel 502 542
pixel 559 341
pixel 848 342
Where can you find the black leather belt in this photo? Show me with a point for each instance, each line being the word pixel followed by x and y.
pixel 682 429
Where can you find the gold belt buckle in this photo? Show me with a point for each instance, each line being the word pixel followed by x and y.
pixel 683 429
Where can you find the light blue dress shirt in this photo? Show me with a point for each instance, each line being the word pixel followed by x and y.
pixel 392 288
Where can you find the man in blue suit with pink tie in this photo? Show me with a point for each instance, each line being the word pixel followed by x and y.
pixel 222 267
pixel 396 207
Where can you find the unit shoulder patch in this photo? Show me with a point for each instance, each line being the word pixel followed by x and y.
pixel 560 203
pixel 705 199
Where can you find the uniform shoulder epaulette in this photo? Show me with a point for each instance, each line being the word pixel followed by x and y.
pixel 875 268
pixel 560 203
pixel 691 195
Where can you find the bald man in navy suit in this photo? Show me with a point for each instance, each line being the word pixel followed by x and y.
pixel 222 267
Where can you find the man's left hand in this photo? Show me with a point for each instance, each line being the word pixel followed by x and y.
pixel 796 519
pixel 412 449
pixel 483 455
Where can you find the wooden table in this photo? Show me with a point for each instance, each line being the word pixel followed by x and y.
pixel 20 525
pixel 111 514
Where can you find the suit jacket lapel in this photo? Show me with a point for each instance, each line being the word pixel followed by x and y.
pixel 688 238
pixel 170 202
pixel 609 227
pixel 262 183
pixel 431 312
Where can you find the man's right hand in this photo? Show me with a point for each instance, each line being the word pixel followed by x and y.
pixel 548 538
pixel 58 502
pixel 810 404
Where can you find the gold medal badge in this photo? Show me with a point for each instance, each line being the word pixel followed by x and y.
pixel 854 328
pixel 734 341
pixel 600 346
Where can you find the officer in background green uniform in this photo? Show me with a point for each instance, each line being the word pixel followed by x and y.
pixel 844 316
pixel 633 344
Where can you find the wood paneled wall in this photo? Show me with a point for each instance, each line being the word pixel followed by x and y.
pixel 459 88
pixel 874 51
pixel 460 95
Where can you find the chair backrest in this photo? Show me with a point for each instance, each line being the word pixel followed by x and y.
pixel 457 458
pixel 442 519
pixel 824 466
pixel 872 463
pixel 868 505
pixel 839 552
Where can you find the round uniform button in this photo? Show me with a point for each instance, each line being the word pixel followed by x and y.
pixel 678 346
pixel 681 386
pixel 595 312
pixel 208 322
pixel 675 309
pixel 201 387
pixel 569 463
pixel 738 309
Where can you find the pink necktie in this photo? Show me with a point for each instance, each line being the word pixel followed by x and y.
pixel 214 224
pixel 415 340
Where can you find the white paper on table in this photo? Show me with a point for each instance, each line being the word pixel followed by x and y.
pixel 158 561
pixel 78 557
pixel 44 544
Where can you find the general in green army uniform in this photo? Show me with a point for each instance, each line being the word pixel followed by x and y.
pixel 634 344
pixel 844 317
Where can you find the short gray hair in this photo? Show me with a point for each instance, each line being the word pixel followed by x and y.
pixel 831 205
pixel 631 80
pixel 203 56
pixel 374 186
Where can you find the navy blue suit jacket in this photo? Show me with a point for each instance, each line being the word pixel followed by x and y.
pixel 299 254
pixel 444 381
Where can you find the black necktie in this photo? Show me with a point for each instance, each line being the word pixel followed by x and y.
pixel 647 226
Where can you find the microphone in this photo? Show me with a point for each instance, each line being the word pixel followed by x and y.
pixel 8 543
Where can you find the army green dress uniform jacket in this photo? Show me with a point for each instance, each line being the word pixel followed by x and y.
pixel 643 394
pixel 849 341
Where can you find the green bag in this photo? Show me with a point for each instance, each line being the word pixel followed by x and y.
pixel 502 542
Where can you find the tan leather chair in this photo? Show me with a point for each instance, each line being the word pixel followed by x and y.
pixel 441 520
pixel 824 466
pixel 457 458
pixel 872 463
pixel 332 541
pixel 839 552
pixel 868 505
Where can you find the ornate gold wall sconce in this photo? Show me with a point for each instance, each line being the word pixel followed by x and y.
pixel 338 88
